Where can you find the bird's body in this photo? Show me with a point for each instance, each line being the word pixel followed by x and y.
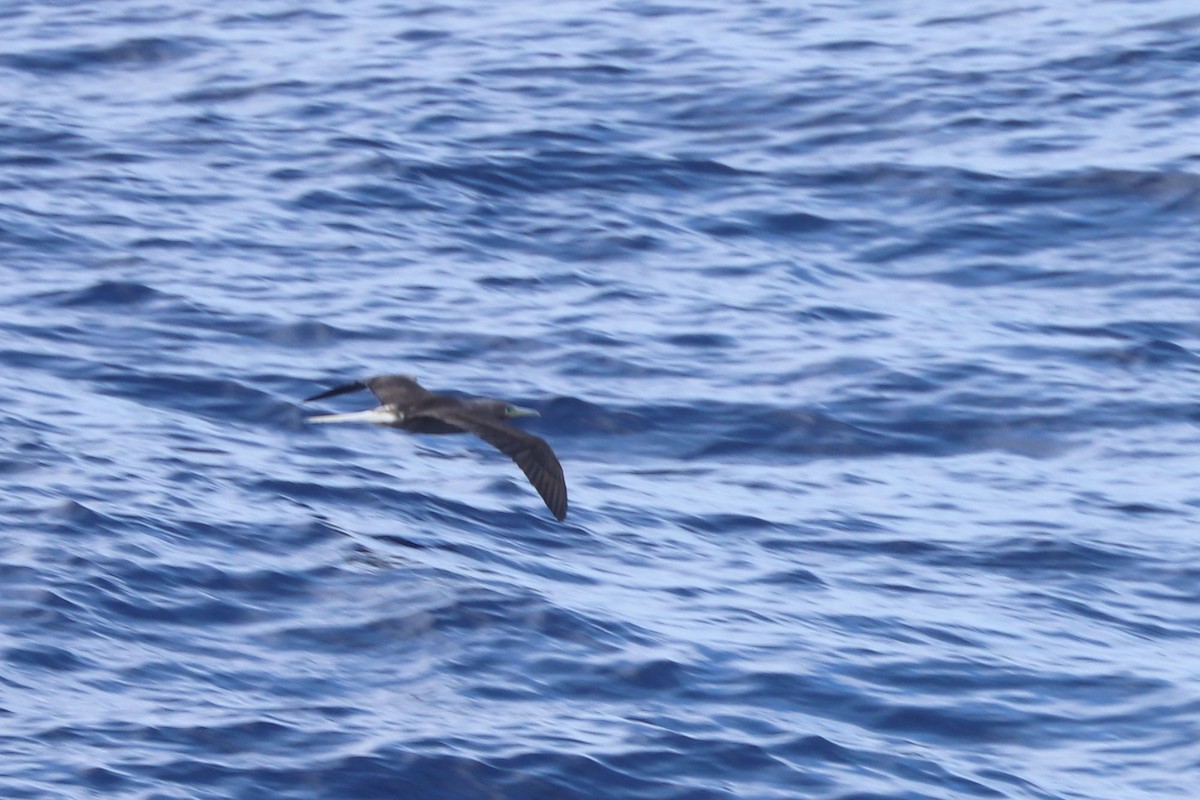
pixel 406 404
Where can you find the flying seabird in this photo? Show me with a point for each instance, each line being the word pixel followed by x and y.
pixel 406 404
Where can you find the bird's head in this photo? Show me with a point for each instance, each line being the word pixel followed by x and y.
pixel 511 411
pixel 498 409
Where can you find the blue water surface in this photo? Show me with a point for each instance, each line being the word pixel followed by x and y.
pixel 867 334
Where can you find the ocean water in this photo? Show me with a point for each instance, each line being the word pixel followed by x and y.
pixel 867 335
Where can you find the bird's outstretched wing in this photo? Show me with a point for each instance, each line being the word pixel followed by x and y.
pixel 532 454
pixel 335 391
pixel 392 390
pixel 398 390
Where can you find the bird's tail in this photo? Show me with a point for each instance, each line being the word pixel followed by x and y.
pixel 380 416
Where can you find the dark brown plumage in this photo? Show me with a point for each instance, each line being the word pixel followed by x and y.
pixel 406 404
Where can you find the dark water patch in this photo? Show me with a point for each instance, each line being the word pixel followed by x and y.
pixel 594 365
pixel 423 35
pixel 45 657
pixel 104 779
pixel 703 757
pixel 363 490
pixel 266 328
pixel 135 53
pixel 126 606
pixel 615 680
pixel 518 282
pixel 253 587
pixel 891 630
pixel 559 776
pixel 1120 66
pixel 761 226
pixel 305 334
pixel 235 738
pixel 1109 615
pixel 528 528
pixel 119 157
pixel 1094 203
pixel 373 164
pixel 225 91
pixel 154 243
pixel 272 19
pixel 839 315
pixel 193 394
pixel 36 611
pixel 106 293
pixel 975 722
pixel 463 348
pixel 797 434
pixel 814 537
pixel 936 433
pixel 970 19
pixel 1050 556
pixel 79 518
pixel 702 341
pixel 1083 206
pixel 372 556
pixel 1141 509
pixel 1135 356
pixel 28 162
pixel 726 523
pixel 356 200
pixel 973 677
pixel 908 548
pixel 794 578
pixel 849 367
pixel 1140 332
pixel 791 223
pixel 476 613
pixel 558 171
pixel 51 243
pixel 378 634
pixel 583 73
pixel 1001 274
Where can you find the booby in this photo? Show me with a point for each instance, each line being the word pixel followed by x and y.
pixel 406 404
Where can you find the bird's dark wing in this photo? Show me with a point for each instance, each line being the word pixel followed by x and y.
pixel 531 454
pixel 392 390
pixel 397 390
pixel 335 391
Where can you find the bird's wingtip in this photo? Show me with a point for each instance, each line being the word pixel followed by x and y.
pixel 345 388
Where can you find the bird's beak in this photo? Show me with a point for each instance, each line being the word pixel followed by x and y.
pixel 518 411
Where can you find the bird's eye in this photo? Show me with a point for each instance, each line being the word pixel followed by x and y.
pixel 510 410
